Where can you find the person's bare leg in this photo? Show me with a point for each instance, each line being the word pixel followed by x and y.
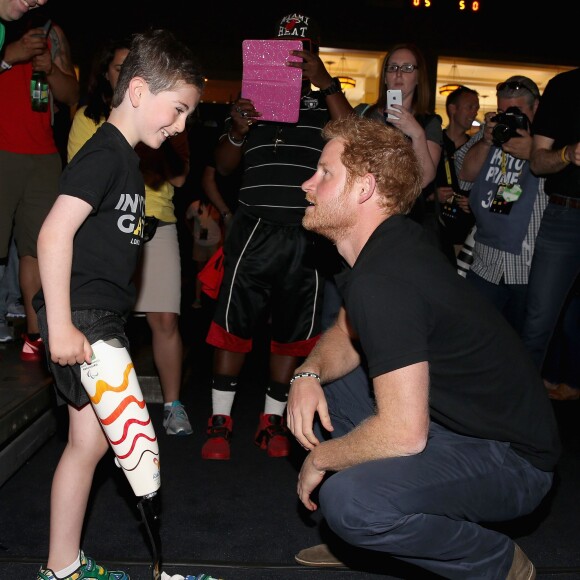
pixel 282 367
pixel 226 362
pixel 167 352
pixel 71 485
pixel 29 277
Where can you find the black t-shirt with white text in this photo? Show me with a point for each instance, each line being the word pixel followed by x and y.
pixel 105 173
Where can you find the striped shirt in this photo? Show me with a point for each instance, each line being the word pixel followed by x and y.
pixel 278 159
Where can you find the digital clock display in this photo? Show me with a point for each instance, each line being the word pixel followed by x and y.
pixel 460 5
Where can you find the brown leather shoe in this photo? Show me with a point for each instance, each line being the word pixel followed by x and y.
pixel 522 568
pixel 318 556
pixel 564 392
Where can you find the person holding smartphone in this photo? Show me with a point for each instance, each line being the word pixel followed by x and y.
pixel 405 70
pixel 270 264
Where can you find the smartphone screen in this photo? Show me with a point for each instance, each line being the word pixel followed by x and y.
pixel 394 97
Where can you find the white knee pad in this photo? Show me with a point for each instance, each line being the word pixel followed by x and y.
pixel 113 389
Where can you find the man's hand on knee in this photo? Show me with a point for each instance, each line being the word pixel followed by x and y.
pixel 305 399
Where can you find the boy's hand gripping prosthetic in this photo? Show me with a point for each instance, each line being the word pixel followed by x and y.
pixel 113 389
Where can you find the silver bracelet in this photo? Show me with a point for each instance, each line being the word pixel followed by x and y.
pixel 5 66
pixel 234 141
pixel 305 374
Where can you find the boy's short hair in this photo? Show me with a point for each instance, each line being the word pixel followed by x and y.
pixel 161 60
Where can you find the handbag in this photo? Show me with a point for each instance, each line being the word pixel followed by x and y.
pixel 211 275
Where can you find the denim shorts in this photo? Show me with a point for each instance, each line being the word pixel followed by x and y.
pixel 95 325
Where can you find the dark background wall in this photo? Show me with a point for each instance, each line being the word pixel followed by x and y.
pixel 501 30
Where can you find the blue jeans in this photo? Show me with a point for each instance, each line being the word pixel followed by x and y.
pixel 425 508
pixel 555 265
pixel 562 364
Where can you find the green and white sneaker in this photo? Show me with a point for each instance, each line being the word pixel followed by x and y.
pixel 88 570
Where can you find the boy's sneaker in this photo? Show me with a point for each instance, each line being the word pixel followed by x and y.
pixel 175 420
pixel 15 310
pixel 272 435
pixel 6 333
pixel 219 433
pixel 32 350
pixel 88 570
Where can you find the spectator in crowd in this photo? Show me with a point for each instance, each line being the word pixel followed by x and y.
pixel 96 104
pixel 506 198
pixel 442 439
pixel 30 163
pixel 203 222
pixel 222 192
pixel 556 262
pixel 561 369
pixel 405 69
pixel 269 259
pixel 9 287
pixel 462 106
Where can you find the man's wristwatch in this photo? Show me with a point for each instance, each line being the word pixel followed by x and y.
pixel 332 89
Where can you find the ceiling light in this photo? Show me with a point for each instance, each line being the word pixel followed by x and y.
pixel 447 89
pixel 347 83
pixel 453 85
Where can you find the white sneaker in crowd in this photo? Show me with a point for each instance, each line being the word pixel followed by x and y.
pixel 15 310
pixel 6 332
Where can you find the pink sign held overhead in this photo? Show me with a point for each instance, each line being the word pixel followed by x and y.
pixel 273 86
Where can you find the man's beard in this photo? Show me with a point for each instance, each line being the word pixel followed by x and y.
pixel 333 220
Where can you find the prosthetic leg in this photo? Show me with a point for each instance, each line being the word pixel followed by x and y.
pixel 113 388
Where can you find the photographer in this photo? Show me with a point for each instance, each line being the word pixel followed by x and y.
pixel 506 199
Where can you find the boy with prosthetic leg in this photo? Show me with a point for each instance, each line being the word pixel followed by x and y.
pixel 113 388
pixel 88 249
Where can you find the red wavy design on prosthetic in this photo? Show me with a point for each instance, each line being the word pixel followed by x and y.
pixel 138 436
pixel 126 429
pixel 102 386
pixel 117 412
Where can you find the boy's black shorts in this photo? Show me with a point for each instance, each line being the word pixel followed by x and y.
pixel 95 325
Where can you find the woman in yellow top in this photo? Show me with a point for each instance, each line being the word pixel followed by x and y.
pixel 159 278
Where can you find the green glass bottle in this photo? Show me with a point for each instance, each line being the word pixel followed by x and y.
pixel 39 91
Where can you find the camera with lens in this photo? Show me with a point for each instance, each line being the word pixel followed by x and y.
pixel 507 123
